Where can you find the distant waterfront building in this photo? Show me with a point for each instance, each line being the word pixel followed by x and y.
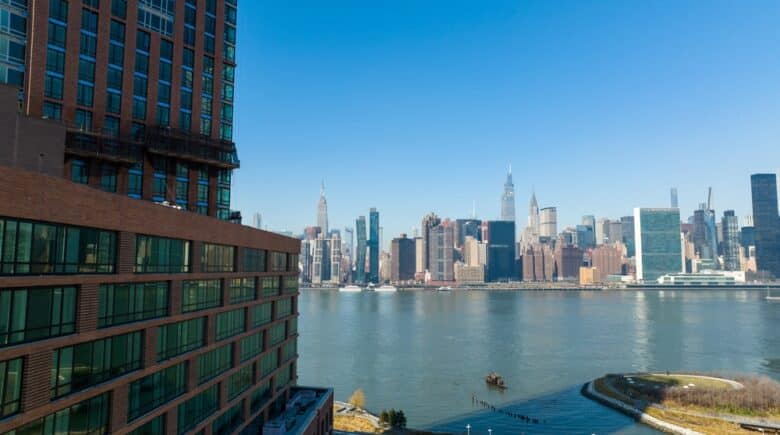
pixel 321 261
pixel 402 259
pixel 585 236
pixel 532 230
pixel 747 237
pixel 608 260
pixel 627 227
pixel 766 222
pixel 311 233
pixel 508 199
pixel 385 266
pixel 257 221
pixel 474 252
pixel 538 263
pixel 673 193
pixel 731 234
pixel 602 227
pixel 465 228
pixel 589 220
pixel 568 260
pixel 614 232
pixel 373 246
pixel 360 254
pixel 465 274
pixel 419 258
pixel 306 259
pixel 658 242
pixel 705 237
pixel 500 251
pixel 548 223
pixel 322 211
pixel 441 251
pixel 429 221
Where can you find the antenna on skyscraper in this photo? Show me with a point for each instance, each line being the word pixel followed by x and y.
pixel 474 208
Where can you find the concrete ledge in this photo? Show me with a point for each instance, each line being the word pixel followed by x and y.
pixel 588 390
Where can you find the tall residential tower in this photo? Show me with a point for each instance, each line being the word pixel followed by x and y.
pixel 508 199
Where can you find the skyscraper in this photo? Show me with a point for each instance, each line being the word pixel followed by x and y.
pixel 627 227
pixel 731 235
pixel 673 194
pixel 531 232
pixel 143 92
pixel 658 243
pixel 360 254
pixel 322 211
pixel 500 251
pixel 429 221
pixel 602 228
pixel 548 225
pixel 465 228
pixel 402 259
pixel 508 199
pixel 766 222
pixel 257 221
pixel 441 249
pixel 373 246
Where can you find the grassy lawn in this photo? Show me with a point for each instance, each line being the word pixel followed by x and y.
pixel 710 426
pixel 672 380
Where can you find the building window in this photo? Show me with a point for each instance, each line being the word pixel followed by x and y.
pixel 271 286
pixel 197 409
pixel 87 417
pixel 42 248
pixel 230 323
pixel 52 110
pixel 260 397
pixel 242 290
pixel 132 302
pixel 113 102
pixel 58 10
pixel 291 284
pixel 262 314
pixel 229 421
pixel 289 351
pixel 177 338
pixel 278 262
pixel 251 346
pixel 200 295
pixel 150 392
pixel 212 364
pixel 75 368
pixel 155 426
pixel 161 255
pixel 84 94
pixel 254 260
pixel 78 171
pixel 84 120
pixel 36 313
pixel 57 35
pixel 240 381
pixel 119 8
pixel 218 258
pixel 52 87
pixel 159 187
pixel 157 15
pixel 277 334
pixel 135 176
pixel 283 308
pixel 268 363
pixel 10 387
pixel 108 178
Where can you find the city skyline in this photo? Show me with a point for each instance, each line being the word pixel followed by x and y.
pixel 393 89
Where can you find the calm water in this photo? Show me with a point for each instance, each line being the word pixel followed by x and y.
pixel 428 352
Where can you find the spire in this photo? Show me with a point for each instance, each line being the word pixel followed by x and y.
pixel 322 188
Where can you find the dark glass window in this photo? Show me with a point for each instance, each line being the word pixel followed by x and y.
pixel 139 109
pixel 89 417
pixel 87 45
pixel 78 171
pixel 283 308
pixel 271 286
pixel 84 119
pixel 111 128
pixel 268 363
pixel 289 351
pixel 260 397
pixel 116 55
pixel 197 409
pixel 52 87
pixel 142 41
pixel 251 346
pixel 108 178
pixel 277 334
pixel 230 420
pixel 240 381
pixel 89 21
pixel 87 70
pixel 55 61
pixel 10 387
pixel 36 313
pixel 200 295
pixel 75 368
pixel 119 8
pixel 152 391
pixel 230 323
pixel 41 248
pixel 242 290
pixel 117 33
pixel 166 49
pixel 188 58
pixel 291 283
pixel 278 262
pixel 84 94
pixel 114 79
pixel 52 110
pixel 135 177
pixel 58 9
pixel 57 35
pixel 131 302
pixel 155 426
pixel 218 258
pixel 161 255
pixel 208 65
pixel 178 338
pixel 212 364
pixel 262 314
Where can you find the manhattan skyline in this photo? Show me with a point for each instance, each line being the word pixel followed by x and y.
pixel 412 110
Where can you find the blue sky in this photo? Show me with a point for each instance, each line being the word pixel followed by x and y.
pixel 418 106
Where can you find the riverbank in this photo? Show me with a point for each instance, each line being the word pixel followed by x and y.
pixel 573 287
pixel 350 419
pixel 690 404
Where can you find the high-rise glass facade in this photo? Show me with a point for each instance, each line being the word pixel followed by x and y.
pixel 373 246
pixel 766 222
pixel 658 243
pixel 360 255
pixel 500 250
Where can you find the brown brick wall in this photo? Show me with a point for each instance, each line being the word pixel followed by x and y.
pixel 88 306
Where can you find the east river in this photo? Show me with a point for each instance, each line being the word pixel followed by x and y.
pixel 427 352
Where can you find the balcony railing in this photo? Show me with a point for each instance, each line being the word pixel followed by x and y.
pixel 158 140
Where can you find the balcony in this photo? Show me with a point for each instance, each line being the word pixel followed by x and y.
pixel 157 140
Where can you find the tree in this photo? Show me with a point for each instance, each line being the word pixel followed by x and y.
pixel 358 399
pixel 384 416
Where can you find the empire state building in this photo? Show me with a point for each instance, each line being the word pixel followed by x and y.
pixel 322 211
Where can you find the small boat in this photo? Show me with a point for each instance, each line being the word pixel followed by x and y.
pixel 350 288
pixel 495 380
pixel 445 289
pixel 386 288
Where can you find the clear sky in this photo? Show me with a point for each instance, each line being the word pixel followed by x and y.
pixel 418 106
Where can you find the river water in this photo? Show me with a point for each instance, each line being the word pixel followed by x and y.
pixel 427 352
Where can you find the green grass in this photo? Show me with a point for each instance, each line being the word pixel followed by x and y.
pixel 673 380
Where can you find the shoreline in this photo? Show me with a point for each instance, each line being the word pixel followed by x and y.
pixel 573 288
